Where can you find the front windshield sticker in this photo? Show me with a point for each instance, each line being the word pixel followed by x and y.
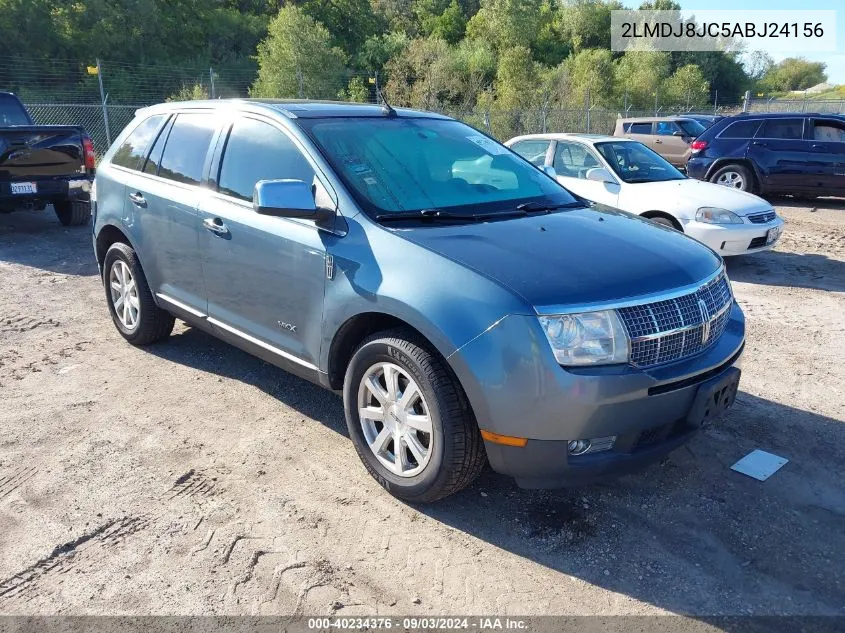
pixel 488 145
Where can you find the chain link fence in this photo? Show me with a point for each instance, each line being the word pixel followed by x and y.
pixel 103 98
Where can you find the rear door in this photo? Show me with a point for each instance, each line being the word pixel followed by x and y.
pixel 163 198
pixel 265 276
pixel 669 142
pixel 828 144
pixel 783 156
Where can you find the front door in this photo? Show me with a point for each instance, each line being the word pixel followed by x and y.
pixel 670 142
pixel 265 276
pixel 572 161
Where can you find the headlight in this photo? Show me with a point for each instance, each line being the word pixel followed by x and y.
pixel 588 338
pixel 715 215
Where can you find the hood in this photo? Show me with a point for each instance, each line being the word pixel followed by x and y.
pixel 692 194
pixel 573 257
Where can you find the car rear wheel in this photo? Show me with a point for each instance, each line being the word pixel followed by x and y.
pixel 133 309
pixel 409 419
pixel 735 176
pixel 73 212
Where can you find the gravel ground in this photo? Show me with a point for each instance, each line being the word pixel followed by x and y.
pixel 191 478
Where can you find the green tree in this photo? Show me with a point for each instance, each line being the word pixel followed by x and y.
pixel 378 49
pixel 506 23
pixel 448 23
pixel 639 75
pixel 423 75
pixel 357 90
pixel 586 23
pixel 517 79
pixel 591 71
pixel 688 86
pixel 350 22
pixel 793 73
pixel 187 92
pixel 296 59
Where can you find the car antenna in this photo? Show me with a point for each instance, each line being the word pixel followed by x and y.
pixel 386 108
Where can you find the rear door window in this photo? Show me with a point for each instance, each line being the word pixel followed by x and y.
pixel 573 160
pixel 534 151
pixel 638 128
pixel 666 128
pixel 258 151
pixel 186 148
pixel 134 148
pixel 741 129
pixel 788 129
pixel 829 131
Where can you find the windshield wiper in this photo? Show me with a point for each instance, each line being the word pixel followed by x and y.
pixel 422 214
pixel 528 207
pixel 439 215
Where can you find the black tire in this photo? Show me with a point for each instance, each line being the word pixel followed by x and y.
pixel 662 220
pixel 746 178
pixel 457 449
pixel 153 324
pixel 73 212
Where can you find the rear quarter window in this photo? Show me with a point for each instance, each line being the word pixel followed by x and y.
pixel 637 128
pixel 741 129
pixel 134 148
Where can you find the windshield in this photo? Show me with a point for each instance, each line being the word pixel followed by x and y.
pixel 11 112
pixel 398 165
pixel 691 127
pixel 634 162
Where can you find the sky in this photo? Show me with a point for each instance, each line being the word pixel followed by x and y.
pixel 835 60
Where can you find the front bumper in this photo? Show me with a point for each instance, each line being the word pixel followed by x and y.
pixel 734 239
pixel 516 388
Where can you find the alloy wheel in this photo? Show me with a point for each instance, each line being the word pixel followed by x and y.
pixel 731 179
pixel 124 294
pixel 395 419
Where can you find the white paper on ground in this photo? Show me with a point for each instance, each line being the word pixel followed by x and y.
pixel 759 464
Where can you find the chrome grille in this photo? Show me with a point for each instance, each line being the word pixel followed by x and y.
pixel 665 331
pixel 762 218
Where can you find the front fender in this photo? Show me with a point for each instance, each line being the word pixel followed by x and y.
pixel 378 272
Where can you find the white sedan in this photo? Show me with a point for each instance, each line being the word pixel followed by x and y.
pixel 627 175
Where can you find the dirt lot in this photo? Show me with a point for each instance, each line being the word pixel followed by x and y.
pixel 191 478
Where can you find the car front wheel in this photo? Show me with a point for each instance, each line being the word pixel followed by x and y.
pixel 409 419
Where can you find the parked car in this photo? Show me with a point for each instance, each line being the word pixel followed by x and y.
pixel 799 154
pixel 668 136
pixel 44 164
pixel 705 119
pixel 627 175
pixel 486 315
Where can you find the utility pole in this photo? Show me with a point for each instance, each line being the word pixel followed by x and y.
pixel 103 101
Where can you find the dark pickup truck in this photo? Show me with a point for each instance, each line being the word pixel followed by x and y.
pixel 44 164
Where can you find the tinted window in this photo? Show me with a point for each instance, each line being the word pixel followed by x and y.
pixel 135 146
pixel 187 145
pixel 829 131
pixel 258 151
pixel 11 111
pixel 574 160
pixel 535 151
pixel 638 128
pixel 151 166
pixel 666 128
pixel 741 129
pixel 782 128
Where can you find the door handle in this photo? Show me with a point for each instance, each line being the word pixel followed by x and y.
pixel 657 140
pixel 215 225
pixel 817 146
pixel 138 199
pixel 760 143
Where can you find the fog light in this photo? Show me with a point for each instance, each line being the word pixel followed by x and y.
pixel 579 447
pixel 593 445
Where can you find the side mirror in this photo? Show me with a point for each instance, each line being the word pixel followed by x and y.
pixel 600 174
pixel 550 171
pixel 287 199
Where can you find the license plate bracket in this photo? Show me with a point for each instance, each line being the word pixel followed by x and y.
pixel 713 398
pixel 19 188
pixel 772 235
